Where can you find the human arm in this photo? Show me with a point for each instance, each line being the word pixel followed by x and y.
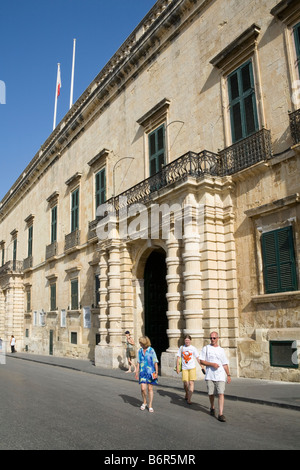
pixel 209 364
pixel 137 370
pixel 226 368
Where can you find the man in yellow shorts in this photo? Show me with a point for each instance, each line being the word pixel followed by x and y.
pixel 188 354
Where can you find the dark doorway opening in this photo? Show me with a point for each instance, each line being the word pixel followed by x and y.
pixel 155 288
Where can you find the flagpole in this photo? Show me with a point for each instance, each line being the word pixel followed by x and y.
pixel 72 76
pixel 56 95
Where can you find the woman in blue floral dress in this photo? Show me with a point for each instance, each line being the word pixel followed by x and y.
pixel 147 371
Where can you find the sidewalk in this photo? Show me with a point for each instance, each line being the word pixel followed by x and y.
pixel 282 394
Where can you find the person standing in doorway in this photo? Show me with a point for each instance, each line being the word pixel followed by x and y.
pixel 188 354
pixel 12 343
pixel 130 352
pixel 214 358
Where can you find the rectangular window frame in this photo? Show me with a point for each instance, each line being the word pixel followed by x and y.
pixel 30 240
pixel 296 33
pixel 53 306
pixel 100 187
pixel 73 337
pixel 283 343
pixel 277 263
pixel 75 210
pixel 54 224
pixel 240 100
pixel 74 287
pixel 157 155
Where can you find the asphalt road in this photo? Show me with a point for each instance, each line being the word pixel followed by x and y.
pixel 43 407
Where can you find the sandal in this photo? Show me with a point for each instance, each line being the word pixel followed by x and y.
pixel 143 406
pixel 151 410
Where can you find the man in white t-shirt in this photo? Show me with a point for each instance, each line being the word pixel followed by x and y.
pixel 214 358
pixel 188 354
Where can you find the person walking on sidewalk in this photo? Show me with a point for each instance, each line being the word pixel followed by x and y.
pixel 214 358
pixel 188 355
pixel 12 344
pixel 147 371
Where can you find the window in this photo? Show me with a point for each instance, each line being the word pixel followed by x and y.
pixel 75 210
pixel 157 150
pixel 283 354
pixel 14 253
pixel 52 297
pixel 73 337
pixel 74 294
pixel 100 185
pixel 3 256
pixel 54 224
pixel 279 265
pixel 30 239
pixel 297 44
pixel 242 102
pixel 28 300
pixel 63 318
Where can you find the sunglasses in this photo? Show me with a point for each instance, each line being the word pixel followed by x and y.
pixel 213 338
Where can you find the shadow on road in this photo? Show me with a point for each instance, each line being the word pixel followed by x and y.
pixel 176 399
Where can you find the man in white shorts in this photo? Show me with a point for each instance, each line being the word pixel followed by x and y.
pixel 214 358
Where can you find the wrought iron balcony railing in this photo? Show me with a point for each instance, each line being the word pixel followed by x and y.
pixel 247 152
pixel 295 126
pixel 237 157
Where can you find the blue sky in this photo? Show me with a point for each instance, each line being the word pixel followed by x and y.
pixel 34 36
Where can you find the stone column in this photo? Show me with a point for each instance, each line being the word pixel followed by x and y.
pixel 192 293
pixel 174 313
pixel 103 319
pixel 174 295
pixel 114 295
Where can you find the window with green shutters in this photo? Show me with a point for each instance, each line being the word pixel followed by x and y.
pixel 157 150
pixel 242 102
pixel 74 294
pixel 14 253
pixel 53 297
pixel 75 210
pixel 54 224
pixel 297 44
pixel 279 264
pixel 30 240
pixel 28 300
pixel 100 184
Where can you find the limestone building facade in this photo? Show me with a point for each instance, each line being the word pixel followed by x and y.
pixel 167 200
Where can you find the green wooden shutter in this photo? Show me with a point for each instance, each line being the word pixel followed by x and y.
pixel 157 150
pixel 74 294
pixel 279 261
pixel 75 211
pixel 53 297
pixel 30 239
pixel 242 102
pixel 54 224
pixel 297 44
pixel 100 187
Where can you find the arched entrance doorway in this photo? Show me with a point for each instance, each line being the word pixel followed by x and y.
pixel 155 288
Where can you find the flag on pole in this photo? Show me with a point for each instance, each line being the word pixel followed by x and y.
pixel 57 93
pixel 58 81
